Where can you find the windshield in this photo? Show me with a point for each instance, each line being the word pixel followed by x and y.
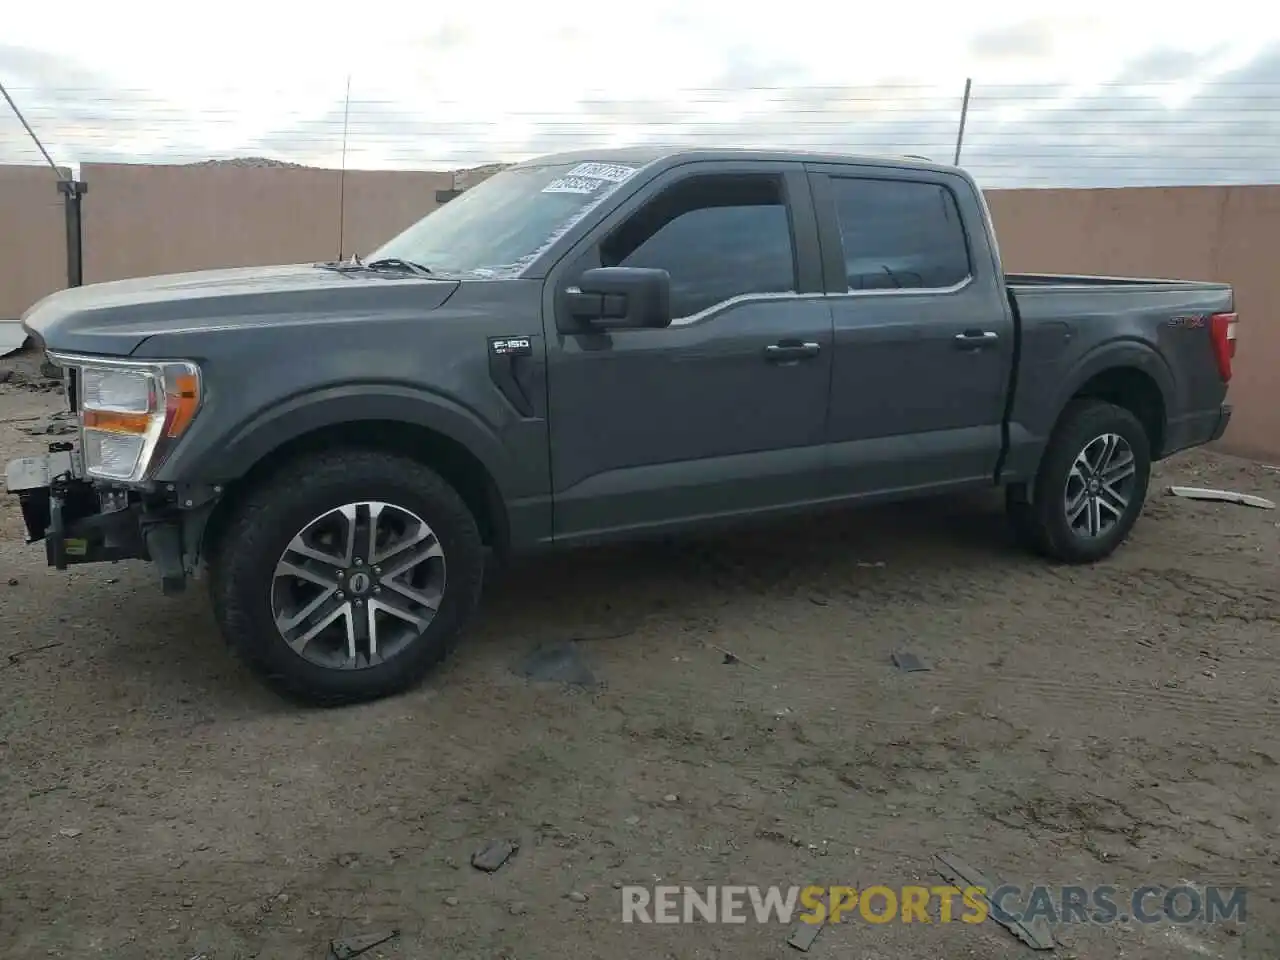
pixel 499 227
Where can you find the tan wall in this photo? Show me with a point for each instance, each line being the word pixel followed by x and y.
pixel 33 237
pixel 380 203
pixel 1190 233
pixel 141 220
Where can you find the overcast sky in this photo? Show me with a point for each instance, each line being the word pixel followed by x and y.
pixel 1095 93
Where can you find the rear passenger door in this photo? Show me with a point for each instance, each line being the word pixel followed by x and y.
pixel 923 339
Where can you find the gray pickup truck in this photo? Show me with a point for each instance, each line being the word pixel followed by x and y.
pixel 592 347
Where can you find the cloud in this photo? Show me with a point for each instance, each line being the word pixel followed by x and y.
pixel 1178 113
pixel 1029 39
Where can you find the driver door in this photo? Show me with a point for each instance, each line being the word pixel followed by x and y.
pixel 721 414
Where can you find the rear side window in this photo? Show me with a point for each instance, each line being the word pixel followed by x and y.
pixel 900 234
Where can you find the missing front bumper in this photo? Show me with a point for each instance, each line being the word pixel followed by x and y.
pixel 81 522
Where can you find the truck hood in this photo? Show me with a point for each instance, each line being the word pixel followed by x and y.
pixel 114 319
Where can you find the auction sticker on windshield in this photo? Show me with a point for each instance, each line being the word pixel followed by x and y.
pixel 613 172
pixel 573 185
pixel 587 178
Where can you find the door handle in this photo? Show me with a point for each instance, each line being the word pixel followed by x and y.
pixel 976 339
pixel 791 350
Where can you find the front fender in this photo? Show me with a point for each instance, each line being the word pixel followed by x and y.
pixel 213 456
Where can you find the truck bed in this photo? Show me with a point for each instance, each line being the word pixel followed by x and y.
pixel 1038 281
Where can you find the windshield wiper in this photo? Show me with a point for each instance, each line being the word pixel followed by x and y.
pixel 395 263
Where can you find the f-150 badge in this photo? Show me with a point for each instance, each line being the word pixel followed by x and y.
pixel 510 346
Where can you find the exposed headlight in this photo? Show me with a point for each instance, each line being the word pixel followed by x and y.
pixel 131 414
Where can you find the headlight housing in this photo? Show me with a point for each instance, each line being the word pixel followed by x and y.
pixel 131 413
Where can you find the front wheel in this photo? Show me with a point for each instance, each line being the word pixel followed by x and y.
pixel 1091 485
pixel 347 575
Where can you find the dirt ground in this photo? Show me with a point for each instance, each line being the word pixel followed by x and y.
pixel 1118 724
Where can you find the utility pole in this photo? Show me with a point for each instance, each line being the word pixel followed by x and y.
pixel 342 174
pixel 964 115
pixel 72 191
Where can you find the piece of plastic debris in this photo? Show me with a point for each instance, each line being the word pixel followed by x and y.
pixel 1035 934
pixel 493 855
pixel 348 947
pixel 70 832
pixel 804 935
pixel 909 662
pixel 730 657
pixel 12 337
pixel 1223 496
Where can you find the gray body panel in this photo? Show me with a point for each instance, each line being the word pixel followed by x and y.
pixel 645 430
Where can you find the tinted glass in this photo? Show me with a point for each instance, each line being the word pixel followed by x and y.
pixel 900 235
pixel 714 253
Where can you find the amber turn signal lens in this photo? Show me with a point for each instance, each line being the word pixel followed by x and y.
pixel 182 402
pixel 111 422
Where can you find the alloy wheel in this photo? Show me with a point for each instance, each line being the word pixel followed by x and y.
pixel 358 585
pixel 1100 486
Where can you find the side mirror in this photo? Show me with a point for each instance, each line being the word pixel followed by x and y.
pixel 622 298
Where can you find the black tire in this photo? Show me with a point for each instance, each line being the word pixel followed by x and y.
pixel 267 518
pixel 1041 524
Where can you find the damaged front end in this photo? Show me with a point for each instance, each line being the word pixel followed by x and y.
pixel 94 500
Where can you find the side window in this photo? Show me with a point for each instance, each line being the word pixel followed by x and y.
pixel 718 236
pixel 900 234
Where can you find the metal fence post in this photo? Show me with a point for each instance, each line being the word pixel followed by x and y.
pixel 72 192
pixel 964 115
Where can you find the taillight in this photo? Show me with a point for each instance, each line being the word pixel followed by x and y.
pixel 1222 330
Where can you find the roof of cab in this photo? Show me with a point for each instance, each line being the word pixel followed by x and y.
pixel 671 155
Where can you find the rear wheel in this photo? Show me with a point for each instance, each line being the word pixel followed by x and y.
pixel 347 576
pixel 1091 485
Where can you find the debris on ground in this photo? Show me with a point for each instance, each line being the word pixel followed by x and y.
pixel 59 424
pixel 70 832
pixel 493 855
pixel 557 663
pixel 16 657
pixel 731 657
pixel 12 337
pixel 955 871
pixel 909 662
pixel 803 936
pixel 1223 496
pixel 348 947
pixel 578 896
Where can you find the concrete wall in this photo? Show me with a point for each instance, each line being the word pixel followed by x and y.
pixel 1189 233
pixel 33 237
pixel 141 220
pixel 379 204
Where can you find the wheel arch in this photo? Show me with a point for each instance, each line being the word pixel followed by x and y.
pixel 427 433
pixel 1131 375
